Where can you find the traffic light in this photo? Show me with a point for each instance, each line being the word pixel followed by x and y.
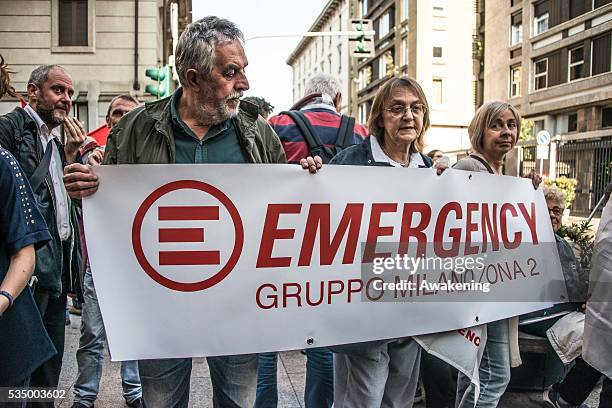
pixel 163 76
pixel 361 44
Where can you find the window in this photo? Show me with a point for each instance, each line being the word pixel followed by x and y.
pixel 572 122
pixel 404 52
pixel 385 64
pixel 438 40
pixel 363 7
pixel 578 8
pixel 383 25
pixel 601 3
pixel 364 111
pixel 438 7
pixel 540 23
pixel 515 2
pixel 365 76
pixel 576 63
pixel 541 74
pixel 437 91
pixel 515 82
pixel 72 25
pixel 339 58
pixel 405 9
pixel 601 52
pixel 606 117
pixel 516 29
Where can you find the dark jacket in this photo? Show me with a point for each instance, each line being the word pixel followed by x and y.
pixel 361 155
pixel 145 136
pixel 57 266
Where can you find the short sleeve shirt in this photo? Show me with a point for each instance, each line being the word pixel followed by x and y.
pixel 24 343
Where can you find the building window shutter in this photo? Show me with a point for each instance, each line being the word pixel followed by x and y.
pixel 601 54
pixel 577 8
pixel 73 23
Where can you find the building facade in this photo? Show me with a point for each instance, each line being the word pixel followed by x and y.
pixel 434 42
pixel 431 41
pixel 552 60
pixel 324 54
pixel 104 45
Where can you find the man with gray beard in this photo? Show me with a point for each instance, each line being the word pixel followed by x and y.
pixel 204 121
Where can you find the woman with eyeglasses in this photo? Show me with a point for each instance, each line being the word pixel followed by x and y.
pixel 384 373
pixel 574 389
pixel 493 133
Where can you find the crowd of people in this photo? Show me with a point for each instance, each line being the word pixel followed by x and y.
pixel 43 251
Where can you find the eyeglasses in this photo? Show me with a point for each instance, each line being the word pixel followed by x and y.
pixel 417 109
pixel 556 211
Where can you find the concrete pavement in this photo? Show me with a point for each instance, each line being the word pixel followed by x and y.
pixel 291 381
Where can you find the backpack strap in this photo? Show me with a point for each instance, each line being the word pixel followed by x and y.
pixel 17 131
pixel 345 133
pixel 315 145
pixel 43 168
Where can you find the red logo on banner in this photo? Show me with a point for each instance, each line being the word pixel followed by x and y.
pixel 165 235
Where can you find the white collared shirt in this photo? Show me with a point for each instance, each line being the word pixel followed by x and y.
pixel 379 155
pixel 62 209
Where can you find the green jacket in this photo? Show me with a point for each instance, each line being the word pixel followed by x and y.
pixel 145 136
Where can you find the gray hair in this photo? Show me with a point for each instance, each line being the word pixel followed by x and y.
pixel 324 84
pixel 125 97
pixel 554 195
pixel 196 46
pixel 41 73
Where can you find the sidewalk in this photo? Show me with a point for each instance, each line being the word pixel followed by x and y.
pixel 291 377
pixel 291 381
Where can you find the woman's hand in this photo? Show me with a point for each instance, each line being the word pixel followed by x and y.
pixel 312 164
pixel 441 164
pixel 536 179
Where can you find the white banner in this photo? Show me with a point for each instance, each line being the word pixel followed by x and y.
pixel 230 259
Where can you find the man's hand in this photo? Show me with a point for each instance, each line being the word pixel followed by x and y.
pixel 80 181
pixel 75 136
pixel 312 164
pixel 96 157
pixel 535 178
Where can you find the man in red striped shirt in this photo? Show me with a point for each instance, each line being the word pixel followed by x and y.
pixel 321 107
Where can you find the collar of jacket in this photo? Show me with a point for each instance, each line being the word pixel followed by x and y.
pixel 366 145
pixel 160 112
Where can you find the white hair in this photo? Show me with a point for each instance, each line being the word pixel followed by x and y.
pixel 324 84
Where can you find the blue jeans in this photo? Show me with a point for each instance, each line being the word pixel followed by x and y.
pixel 319 391
pixel 90 354
pixel 165 382
pixel 494 370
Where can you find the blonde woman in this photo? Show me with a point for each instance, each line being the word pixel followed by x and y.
pixel 493 133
